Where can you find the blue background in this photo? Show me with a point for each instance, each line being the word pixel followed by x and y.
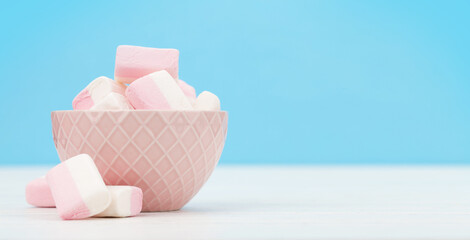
pixel 330 82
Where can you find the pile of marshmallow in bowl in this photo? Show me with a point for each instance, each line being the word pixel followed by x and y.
pixel 145 78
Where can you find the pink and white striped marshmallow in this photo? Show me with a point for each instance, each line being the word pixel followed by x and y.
pixel 38 193
pixel 188 90
pixel 113 101
pixel 133 62
pixel 96 91
pixel 157 91
pixel 77 188
pixel 126 202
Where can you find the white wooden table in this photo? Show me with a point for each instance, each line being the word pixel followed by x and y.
pixel 266 202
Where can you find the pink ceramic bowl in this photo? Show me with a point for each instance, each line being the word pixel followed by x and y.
pixel 168 154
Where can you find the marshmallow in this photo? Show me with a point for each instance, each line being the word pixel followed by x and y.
pixel 77 188
pixel 112 101
pixel 207 101
pixel 157 91
pixel 126 202
pixel 96 91
pixel 188 90
pixel 38 193
pixel 134 62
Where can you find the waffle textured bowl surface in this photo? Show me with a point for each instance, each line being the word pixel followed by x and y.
pixel 168 154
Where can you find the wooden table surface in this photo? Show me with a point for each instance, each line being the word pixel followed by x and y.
pixel 273 202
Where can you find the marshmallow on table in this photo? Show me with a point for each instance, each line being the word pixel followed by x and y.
pixel 188 90
pixel 77 188
pixel 126 202
pixel 207 101
pixel 133 62
pixel 112 101
pixel 96 91
pixel 157 91
pixel 38 193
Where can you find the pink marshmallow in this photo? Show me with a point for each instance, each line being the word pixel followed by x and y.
pixel 157 91
pixel 95 92
pixel 77 188
pixel 38 193
pixel 126 200
pixel 134 62
pixel 188 90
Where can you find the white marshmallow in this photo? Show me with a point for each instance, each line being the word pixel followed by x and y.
pixel 96 91
pixel 113 101
pixel 207 101
pixel 77 188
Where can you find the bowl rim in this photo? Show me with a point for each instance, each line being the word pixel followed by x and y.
pixel 140 110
